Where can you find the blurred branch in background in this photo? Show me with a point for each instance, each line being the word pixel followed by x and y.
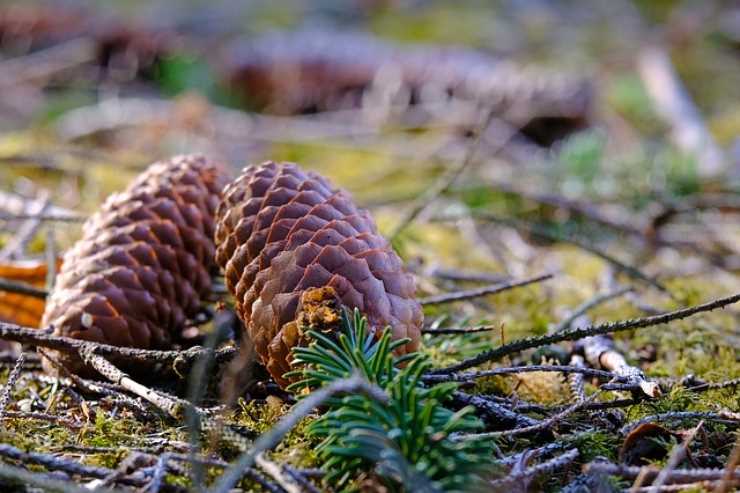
pixel 674 104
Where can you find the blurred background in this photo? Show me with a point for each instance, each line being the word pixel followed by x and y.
pixel 599 139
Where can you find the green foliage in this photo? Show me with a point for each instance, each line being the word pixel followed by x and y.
pixel 628 96
pixel 413 439
pixel 177 74
pixel 581 156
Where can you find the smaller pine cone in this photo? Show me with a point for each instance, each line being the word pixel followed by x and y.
pixel 143 263
pixel 283 231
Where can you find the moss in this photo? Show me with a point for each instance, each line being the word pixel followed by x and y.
pixel 259 416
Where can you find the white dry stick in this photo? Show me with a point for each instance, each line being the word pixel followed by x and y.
pixel 43 64
pixel 673 103
pixel 600 352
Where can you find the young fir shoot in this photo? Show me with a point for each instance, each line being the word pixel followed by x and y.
pixel 410 440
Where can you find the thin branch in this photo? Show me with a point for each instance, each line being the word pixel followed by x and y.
pixel 677 455
pixel 181 360
pixel 674 104
pixel 547 467
pixel 66 218
pixel 53 463
pixel 601 352
pixel 540 426
pixel 704 386
pixel 42 417
pixel 108 370
pixel 543 232
pixel 50 255
pixel 732 462
pixel 509 370
pixel 270 439
pixel 576 380
pixel 482 291
pixel 276 473
pixel 675 476
pixel 720 417
pixel 43 481
pixel 590 305
pixel 43 64
pixel 12 379
pixel 574 334
pixel 494 411
pixel 22 288
pixel 301 478
pixel 446 181
pixel 18 242
pixel 467 276
pixel 472 330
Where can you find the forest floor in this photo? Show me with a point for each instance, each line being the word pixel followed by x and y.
pixel 625 218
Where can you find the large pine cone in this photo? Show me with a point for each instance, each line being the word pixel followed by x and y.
pixel 282 231
pixel 143 263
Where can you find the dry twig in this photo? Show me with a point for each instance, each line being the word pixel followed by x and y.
pixel 482 291
pixel 574 334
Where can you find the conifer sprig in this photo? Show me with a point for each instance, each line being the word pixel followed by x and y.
pixel 407 441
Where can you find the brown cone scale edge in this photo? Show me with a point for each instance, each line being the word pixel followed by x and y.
pixel 143 263
pixel 281 232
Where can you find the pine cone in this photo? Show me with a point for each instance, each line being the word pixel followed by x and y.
pixel 143 263
pixel 282 231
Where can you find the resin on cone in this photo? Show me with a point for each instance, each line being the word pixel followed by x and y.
pixel 143 264
pixel 283 231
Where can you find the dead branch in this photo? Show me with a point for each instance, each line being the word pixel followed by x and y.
pixel 731 467
pixel 677 455
pixel 547 467
pixel 181 360
pixel 482 291
pixel 445 182
pixel 651 472
pixel 28 229
pixel 43 64
pixel 174 408
pixel 53 463
pixel 590 305
pixel 22 288
pixel 731 419
pixel 601 353
pixel 276 472
pixel 44 481
pixel 544 232
pixel 435 377
pixel 12 379
pixel 66 218
pixel 42 417
pixel 579 333
pixel 576 380
pixel 271 438
pixel 494 411
pixel 674 104
pixel 472 330
pixel 540 426
pixel 466 276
